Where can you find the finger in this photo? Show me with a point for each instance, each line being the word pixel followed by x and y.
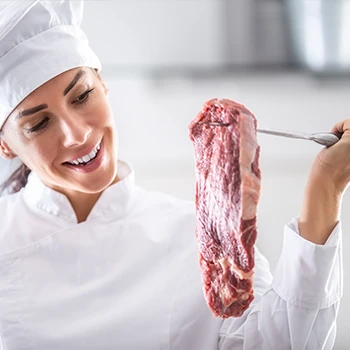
pixel 341 127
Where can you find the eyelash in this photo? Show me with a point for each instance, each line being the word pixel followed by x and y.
pixel 83 98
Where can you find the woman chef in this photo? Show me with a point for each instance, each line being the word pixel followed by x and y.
pixel 89 260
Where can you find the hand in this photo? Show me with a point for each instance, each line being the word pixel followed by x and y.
pixel 333 163
pixel 328 179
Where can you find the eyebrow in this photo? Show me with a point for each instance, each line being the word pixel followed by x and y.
pixel 37 109
pixel 31 111
pixel 77 77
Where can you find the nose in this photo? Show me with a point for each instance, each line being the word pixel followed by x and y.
pixel 76 131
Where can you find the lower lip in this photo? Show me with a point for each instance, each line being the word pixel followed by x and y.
pixel 96 163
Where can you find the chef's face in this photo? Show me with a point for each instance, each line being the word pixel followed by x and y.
pixel 67 120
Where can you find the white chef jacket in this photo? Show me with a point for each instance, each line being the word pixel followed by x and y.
pixel 128 278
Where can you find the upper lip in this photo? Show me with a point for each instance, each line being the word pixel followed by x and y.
pixel 83 153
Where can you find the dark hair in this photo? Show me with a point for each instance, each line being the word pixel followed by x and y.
pixel 16 181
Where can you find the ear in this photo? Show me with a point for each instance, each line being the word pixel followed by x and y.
pixel 5 151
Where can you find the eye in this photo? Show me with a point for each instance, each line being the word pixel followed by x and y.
pixel 39 126
pixel 84 96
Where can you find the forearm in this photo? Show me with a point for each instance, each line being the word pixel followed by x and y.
pixel 320 210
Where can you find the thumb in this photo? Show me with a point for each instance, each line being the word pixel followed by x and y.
pixel 342 127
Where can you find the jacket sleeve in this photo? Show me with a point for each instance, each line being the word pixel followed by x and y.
pixel 297 308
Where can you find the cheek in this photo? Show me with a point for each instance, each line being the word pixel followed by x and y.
pixel 39 155
pixel 103 115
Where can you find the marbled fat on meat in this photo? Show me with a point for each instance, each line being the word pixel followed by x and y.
pixel 227 193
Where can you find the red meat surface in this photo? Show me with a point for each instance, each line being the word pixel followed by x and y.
pixel 227 194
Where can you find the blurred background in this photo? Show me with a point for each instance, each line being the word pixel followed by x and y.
pixel 288 61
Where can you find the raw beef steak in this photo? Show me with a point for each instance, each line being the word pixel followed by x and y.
pixel 227 194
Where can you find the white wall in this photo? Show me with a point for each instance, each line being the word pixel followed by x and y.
pixel 153 116
pixel 189 33
pixel 155 33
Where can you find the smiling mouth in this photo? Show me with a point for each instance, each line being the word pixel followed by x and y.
pixel 87 159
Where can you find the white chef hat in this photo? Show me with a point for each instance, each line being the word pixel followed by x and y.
pixel 39 39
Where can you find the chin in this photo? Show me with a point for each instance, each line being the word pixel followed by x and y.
pixel 100 184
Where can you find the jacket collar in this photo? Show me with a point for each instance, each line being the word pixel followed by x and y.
pixel 114 202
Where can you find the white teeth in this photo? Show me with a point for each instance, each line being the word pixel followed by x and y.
pixel 86 158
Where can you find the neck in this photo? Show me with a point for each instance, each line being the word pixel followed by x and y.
pixel 83 203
